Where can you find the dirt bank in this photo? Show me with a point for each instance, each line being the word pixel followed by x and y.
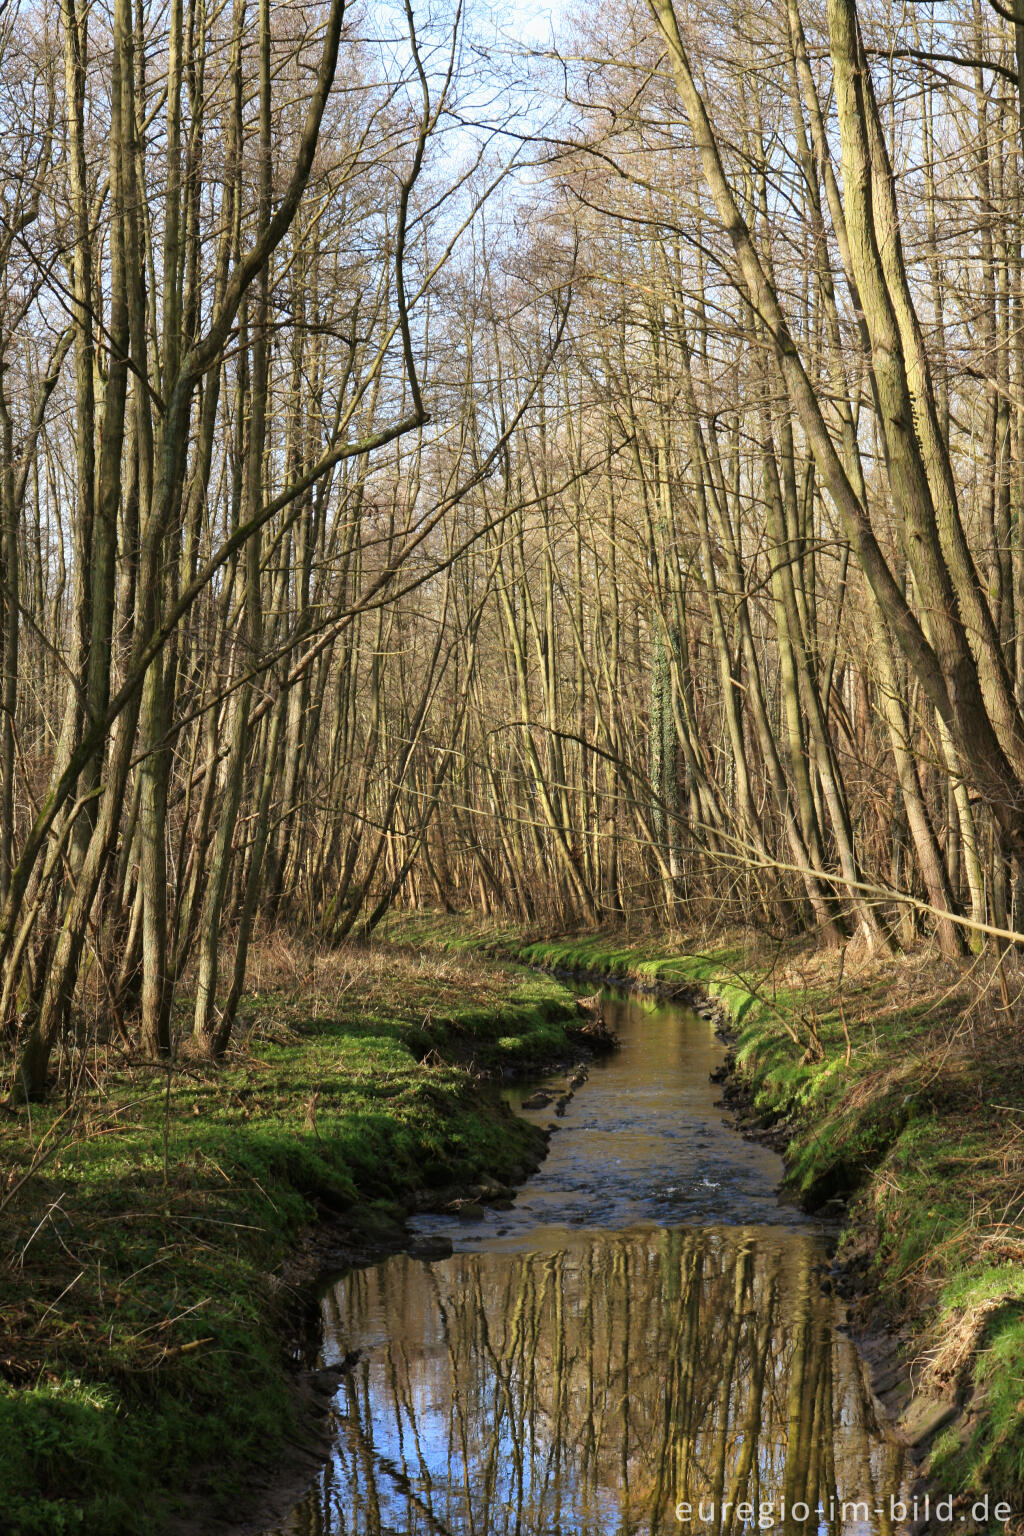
pixel 163 1235
pixel 895 1089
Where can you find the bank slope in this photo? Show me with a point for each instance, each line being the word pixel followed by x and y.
pixel 147 1256
pixel 897 1088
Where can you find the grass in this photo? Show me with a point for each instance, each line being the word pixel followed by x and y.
pixel 900 1086
pixel 144 1267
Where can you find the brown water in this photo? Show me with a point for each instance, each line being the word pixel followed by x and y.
pixel 643 1344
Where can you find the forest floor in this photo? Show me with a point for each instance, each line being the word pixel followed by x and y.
pixel 156 1258
pixel 152 1267
pixel 896 1087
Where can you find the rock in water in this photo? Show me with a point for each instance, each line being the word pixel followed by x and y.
pixel 430 1247
pixel 596 1034
pixel 470 1210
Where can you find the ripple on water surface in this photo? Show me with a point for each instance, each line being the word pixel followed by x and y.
pixel 645 1331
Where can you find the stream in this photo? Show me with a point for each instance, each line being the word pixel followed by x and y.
pixel 645 1342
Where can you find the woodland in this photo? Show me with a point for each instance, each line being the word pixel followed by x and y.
pixel 577 480
pixel 551 472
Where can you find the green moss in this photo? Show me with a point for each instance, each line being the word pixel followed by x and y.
pixel 886 1106
pixel 141 1275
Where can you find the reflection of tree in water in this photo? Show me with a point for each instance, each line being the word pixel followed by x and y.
pixel 595 1389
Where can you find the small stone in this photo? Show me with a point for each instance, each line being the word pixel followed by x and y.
pixel 539 1100
pixel 467 1210
pixel 430 1246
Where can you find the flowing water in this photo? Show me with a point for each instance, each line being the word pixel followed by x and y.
pixel 642 1344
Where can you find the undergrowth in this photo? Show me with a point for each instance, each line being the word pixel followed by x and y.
pixel 142 1260
pixel 900 1086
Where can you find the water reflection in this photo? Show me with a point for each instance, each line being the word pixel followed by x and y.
pixel 594 1384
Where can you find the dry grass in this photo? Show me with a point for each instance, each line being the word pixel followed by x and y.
pixel 148 1219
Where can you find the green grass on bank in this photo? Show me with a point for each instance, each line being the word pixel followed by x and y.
pixel 144 1309
pixel 904 1092
pixel 901 1087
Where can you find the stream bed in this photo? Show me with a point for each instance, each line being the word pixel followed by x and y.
pixel 645 1342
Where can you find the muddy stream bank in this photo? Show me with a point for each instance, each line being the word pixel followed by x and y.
pixel 646 1339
